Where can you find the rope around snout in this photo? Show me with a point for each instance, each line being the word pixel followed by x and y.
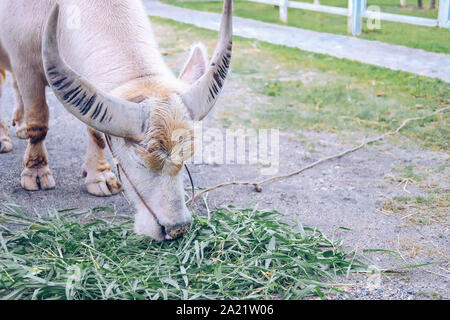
pixel 257 184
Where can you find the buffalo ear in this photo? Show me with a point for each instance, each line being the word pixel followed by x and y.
pixel 196 64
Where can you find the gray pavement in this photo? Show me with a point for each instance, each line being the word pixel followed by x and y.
pixel 430 64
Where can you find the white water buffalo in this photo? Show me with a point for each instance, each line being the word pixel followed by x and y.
pixel 108 73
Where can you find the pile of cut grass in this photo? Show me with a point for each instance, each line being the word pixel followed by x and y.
pixel 236 254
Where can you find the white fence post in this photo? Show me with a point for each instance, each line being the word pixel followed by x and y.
pixel 284 10
pixel 356 15
pixel 444 14
pixel 363 7
pixel 349 16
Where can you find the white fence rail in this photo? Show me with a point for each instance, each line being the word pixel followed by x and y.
pixel 357 10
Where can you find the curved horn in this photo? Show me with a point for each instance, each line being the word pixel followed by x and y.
pixel 203 94
pixel 97 109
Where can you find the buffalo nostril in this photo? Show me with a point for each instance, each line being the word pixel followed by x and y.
pixel 176 231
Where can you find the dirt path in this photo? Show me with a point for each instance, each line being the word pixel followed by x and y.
pixel 348 193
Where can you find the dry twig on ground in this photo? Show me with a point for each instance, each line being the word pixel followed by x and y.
pixel 257 184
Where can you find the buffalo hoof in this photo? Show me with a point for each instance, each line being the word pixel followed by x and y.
pixel 102 184
pixel 5 145
pixel 35 179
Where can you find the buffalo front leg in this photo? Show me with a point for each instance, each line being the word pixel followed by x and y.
pixel 36 174
pixel 5 140
pixel 100 181
pixel 19 112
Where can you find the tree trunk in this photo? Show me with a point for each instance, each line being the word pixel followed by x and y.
pixel 433 4
pixel 420 4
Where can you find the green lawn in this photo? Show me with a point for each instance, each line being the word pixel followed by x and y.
pixel 279 87
pixel 427 38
